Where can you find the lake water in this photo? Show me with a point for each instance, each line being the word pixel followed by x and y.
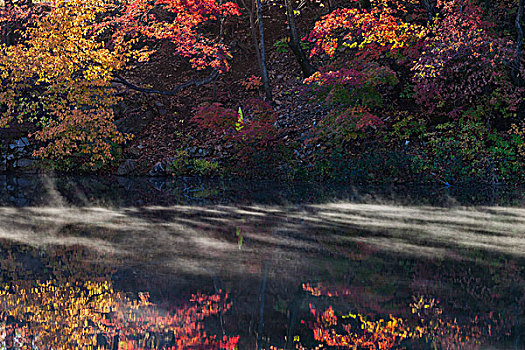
pixel 119 263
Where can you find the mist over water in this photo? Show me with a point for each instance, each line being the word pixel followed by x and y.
pixel 239 265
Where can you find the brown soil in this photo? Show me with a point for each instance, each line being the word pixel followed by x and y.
pixel 172 130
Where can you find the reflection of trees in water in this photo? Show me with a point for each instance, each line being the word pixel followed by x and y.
pixel 428 324
pixel 91 315
pixel 493 291
pixel 354 331
pixel 379 255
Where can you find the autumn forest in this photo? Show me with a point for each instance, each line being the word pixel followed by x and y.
pixel 262 174
pixel 359 91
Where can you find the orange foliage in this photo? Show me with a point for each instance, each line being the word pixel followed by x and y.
pixel 373 31
pixel 91 314
pixel 252 83
pixel 59 72
pixel 67 74
pixel 360 332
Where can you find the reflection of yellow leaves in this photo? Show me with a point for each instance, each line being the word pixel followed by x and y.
pixel 60 316
pixel 73 316
pixel 387 333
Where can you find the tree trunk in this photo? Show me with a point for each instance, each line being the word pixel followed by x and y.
pixel 293 313
pixel 366 4
pixel 429 7
pixel 261 303
pixel 221 25
pixel 330 5
pixel 264 70
pixel 516 77
pixel 295 45
pixel 8 4
pixel 253 31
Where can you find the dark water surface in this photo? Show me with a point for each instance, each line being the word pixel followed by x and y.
pixel 118 263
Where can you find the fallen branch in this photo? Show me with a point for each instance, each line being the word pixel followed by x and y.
pixel 121 80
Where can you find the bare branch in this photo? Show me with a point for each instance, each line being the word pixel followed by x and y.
pixel 121 80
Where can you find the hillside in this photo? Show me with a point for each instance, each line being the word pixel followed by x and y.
pixel 359 91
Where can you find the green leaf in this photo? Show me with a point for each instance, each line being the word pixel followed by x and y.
pixel 240 121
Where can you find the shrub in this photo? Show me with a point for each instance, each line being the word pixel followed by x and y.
pixel 216 119
pixel 469 150
pixel 205 167
pixel 463 64
pixel 250 130
pixel 182 164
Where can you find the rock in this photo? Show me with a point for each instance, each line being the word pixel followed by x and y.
pixel 135 152
pixel 20 143
pixel 23 183
pixel 202 152
pixel 126 167
pixel 158 184
pixel 161 109
pixel 24 163
pixel 134 123
pixel 191 150
pixel 19 201
pixel 158 169
pixel 125 182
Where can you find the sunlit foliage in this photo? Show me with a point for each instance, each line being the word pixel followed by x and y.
pixel 59 76
pixel 390 64
pixel 465 64
pixel 59 71
pixel 373 31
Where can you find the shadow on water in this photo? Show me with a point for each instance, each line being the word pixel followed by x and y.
pixel 185 264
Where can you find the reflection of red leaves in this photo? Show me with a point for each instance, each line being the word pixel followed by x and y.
pixel 77 316
pixel 357 331
pixel 184 323
pixel 362 334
